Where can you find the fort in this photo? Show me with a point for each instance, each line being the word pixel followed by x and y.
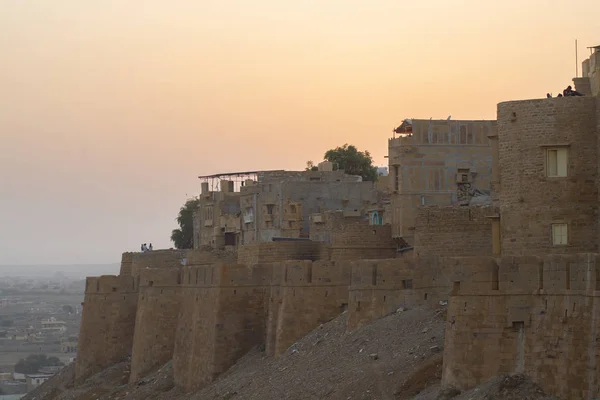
pixel 497 221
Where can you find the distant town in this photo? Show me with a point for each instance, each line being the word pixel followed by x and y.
pixel 40 313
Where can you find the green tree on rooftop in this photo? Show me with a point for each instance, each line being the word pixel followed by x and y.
pixel 353 162
pixel 183 238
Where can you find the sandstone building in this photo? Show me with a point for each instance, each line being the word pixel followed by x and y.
pixel 437 162
pixel 275 204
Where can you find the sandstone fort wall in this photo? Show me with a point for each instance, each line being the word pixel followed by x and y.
pixel 126 259
pixel 540 318
pixel 157 259
pixel 304 295
pixel 157 314
pixel 269 252
pixel 222 316
pixel 379 287
pixel 454 231
pixel 530 200
pixel 197 320
pixel 107 324
pixel 360 240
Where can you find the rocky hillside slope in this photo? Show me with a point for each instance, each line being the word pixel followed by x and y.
pixel 397 357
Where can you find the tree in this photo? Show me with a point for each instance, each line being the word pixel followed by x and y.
pixel 310 166
pixel 34 362
pixel 353 162
pixel 183 238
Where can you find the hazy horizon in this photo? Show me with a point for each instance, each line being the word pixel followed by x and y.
pixel 78 271
pixel 111 110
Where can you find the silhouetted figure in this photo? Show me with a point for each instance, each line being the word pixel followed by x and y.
pixel 150 247
pixel 570 92
pixel 548 95
pixel 142 247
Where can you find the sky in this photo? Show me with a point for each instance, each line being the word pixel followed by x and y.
pixel 110 110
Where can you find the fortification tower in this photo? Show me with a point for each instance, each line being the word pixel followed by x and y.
pixel 548 162
pixel 156 319
pixel 107 324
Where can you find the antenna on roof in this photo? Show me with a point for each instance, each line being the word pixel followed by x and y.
pixel 576 62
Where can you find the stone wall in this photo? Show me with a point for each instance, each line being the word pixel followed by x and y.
pixel 223 315
pixel 156 319
pixel 269 252
pixel 454 231
pixel 351 237
pixel 156 259
pixel 126 259
pixel 107 324
pixel 360 240
pixel 530 201
pixel 304 295
pixel 379 287
pixel 539 318
pixel 133 263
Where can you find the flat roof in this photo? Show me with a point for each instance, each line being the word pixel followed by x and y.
pixel 223 174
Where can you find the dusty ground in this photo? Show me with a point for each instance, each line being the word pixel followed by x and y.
pixel 398 357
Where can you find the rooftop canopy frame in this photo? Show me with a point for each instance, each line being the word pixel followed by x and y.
pixel 238 178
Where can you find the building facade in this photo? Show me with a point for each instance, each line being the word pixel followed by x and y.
pixel 277 204
pixel 437 162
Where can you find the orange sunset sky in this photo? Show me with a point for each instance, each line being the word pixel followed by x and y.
pixel 109 110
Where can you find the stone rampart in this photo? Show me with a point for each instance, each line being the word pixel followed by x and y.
pixel 208 256
pixel 107 324
pixel 223 315
pixel 126 259
pixel 304 295
pixel 157 259
pixel 156 319
pixel 270 252
pixel 379 287
pixel 359 240
pixel 539 318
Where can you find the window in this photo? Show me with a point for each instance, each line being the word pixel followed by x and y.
pixel 396 178
pixel 229 239
pixel 463 175
pixel 270 209
pixel 376 218
pixel 556 162
pixel 559 234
